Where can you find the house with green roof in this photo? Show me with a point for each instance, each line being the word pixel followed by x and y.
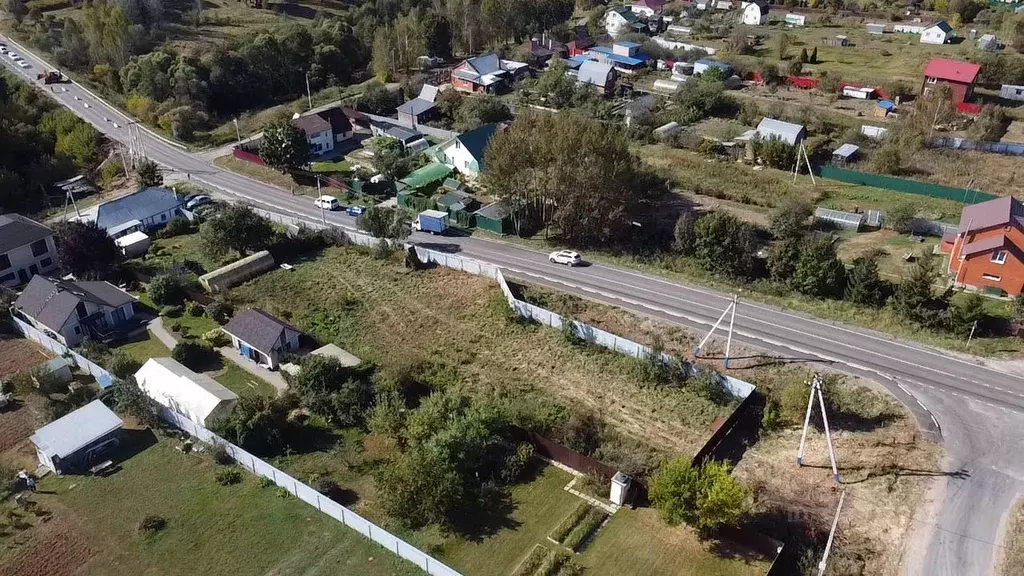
pixel 465 152
pixel 415 189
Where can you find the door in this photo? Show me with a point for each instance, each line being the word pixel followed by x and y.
pixel 23 276
pixel 118 316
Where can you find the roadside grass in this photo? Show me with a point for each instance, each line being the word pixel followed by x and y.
pixel 658 550
pixel 459 327
pixel 334 166
pixel 211 529
pixel 236 379
pixel 1012 561
pixel 264 174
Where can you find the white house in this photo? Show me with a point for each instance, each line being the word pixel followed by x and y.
pixel 74 311
pixel 148 208
pixel 1011 92
pixel 324 130
pixel 938 33
pixel 197 397
pixel 754 13
pixel 26 248
pixel 618 21
pixel 647 8
pixel 260 337
pixel 465 152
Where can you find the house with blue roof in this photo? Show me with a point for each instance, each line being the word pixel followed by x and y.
pixel 465 152
pixel 624 56
pixel 146 209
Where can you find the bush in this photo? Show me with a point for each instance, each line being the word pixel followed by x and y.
pixel 220 312
pixel 265 482
pixel 704 498
pixel 122 365
pixel 195 309
pixel 228 476
pixel 152 524
pixel 174 327
pixel 900 217
pixel 220 454
pixel 171 311
pixel 194 355
pixel 217 338
pixel 176 227
pixel 887 160
pixel 167 290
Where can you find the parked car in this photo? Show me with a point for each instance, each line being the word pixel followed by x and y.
pixel 13 56
pixel 433 221
pixel 355 210
pixel 197 202
pixel 24 64
pixel 327 203
pixel 567 257
pixel 3 49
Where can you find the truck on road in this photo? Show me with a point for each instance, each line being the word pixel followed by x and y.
pixel 433 221
pixel 54 77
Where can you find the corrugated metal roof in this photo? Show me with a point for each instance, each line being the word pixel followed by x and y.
pixel 141 205
pixel 68 434
pixel 983 245
pixel 846 150
pixel 953 70
pixel 791 133
pixel 997 212
pixel 416 106
pixel 596 73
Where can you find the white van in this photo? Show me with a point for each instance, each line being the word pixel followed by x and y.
pixel 327 203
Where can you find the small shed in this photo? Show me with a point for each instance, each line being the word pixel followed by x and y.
pixel 796 19
pixel 133 244
pixel 788 132
pixel 1012 92
pixel 702 65
pixel 237 272
pixel 59 369
pixel 988 42
pixel 79 439
pixel 838 41
pixel 195 396
pixel 495 217
pixel 845 153
pixel 875 29
pixel 858 92
pixel 873 131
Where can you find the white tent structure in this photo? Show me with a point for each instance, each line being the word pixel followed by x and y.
pixel 195 396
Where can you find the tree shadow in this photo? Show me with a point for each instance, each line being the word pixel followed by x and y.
pixel 490 514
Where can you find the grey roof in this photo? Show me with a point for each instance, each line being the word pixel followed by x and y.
pixel 642 104
pixel 50 302
pixel 17 231
pixel 258 329
pixel 416 106
pixel 846 150
pixel 72 432
pixel 984 245
pixel 123 226
pixel 485 64
pixel 791 133
pixel 494 211
pixel 942 25
pixel 311 124
pixel 334 351
pixel 428 93
pixel 596 73
pixel 998 212
pixel 141 205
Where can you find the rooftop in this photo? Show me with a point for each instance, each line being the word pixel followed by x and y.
pixel 596 73
pixel 72 432
pixel 416 106
pixel 17 231
pixel 953 70
pixel 983 245
pixel 787 131
pixel 494 211
pixel 51 302
pixel 140 205
pixel 429 174
pixel 997 212
pixel 258 329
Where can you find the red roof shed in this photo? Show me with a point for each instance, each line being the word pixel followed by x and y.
pixel 959 76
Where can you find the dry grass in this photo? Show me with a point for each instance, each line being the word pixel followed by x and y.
pixel 894 245
pixel 17 354
pixel 1012 561
pixel 993 173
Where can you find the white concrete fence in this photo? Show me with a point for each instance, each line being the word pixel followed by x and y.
pixel 103 378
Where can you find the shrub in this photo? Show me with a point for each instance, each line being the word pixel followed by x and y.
pixel 705 498
pixel 174 326
pixel 166 290
pixel 220 312
pixel 122 365
pixel 900 217
pixel 193 355
pixel 171 311
pixel 220 454
pixel 152 524
pixel 216 338
pixel 195 309
pixel 887 160
pixel 516 463
pixel 228 476
pixel 265 482
pixel 176 227
pixel 585 528
pixel 569 522
pixel 325 486
pixel 282 492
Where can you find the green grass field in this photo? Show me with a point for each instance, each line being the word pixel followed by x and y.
pixel 211 529
pixel 335 166
pixel 148 346
pixel 264 174
pixel 240 382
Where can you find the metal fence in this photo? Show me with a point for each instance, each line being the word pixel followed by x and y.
pixel 903 185
pixel 1007 148
pixel 310 496
pixel 103 378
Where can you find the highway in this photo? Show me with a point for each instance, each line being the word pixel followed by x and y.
pixel 975 407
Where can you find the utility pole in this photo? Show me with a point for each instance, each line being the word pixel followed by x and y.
pixel 816 390
pixel 309 95
pixel 732 320
pixel 69 196
pixel 323 215
pixel 238 133
pixel 973 328
pixel 831 536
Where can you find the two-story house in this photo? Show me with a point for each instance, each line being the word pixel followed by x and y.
pixel 74 311
pixel 27 248
pixel 487 74
pixel 987 252
pixel 324 129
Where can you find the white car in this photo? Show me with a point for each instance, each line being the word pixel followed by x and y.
pixel 327 203
pixel 24 64
pixel 13 56
pixel 567 257
pixel 3 50
pixel 197 201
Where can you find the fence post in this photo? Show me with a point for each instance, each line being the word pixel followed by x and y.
pixel 318 506
pixel 295 489
pixel 252 461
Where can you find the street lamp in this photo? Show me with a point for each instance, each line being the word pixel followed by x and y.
pixel 238 133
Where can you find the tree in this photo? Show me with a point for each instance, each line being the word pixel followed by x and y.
pixel 814 56
pixel 389 158
pixel 887 160
pixel 128 398
pixel 284 146
pixel 148 174
pixel 193 355
pixel 782 43
pixel 258 424
pixel 475 112
pixel 789 218
pixel 704 498
pixel 966 313
pixel 338 394
pixel 914 298
pixel 122 365
pixel 803 58
pixel 166 290
pixel 901 217
pixel 384 222
pixel 724 245
pixel 864 286
pixel 236 227
pixel 782 259
pixel 819 272
pixel 685 236
pixel 85 251
pixel 775 152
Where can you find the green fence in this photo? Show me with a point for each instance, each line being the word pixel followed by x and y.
pixel 903 185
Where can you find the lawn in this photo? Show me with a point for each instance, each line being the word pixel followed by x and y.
pixel 145 347
pixel 458 328
pixel 335 166
pixel 211 529
pixel 240 382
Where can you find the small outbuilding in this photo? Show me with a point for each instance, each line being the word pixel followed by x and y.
pixel 495 217
pixel 877 29
pixel 796 20
pixel 939 33
pixel 845 154
pixel 79 439
pixel 838 41
pixel 133 244
pixel 754 13
pixel 57 369
pixel 1012 92
pixel 195 396
pixel 988 42
pixel 261 337
pixel 788 132
pixel 237 272
pixel 703 65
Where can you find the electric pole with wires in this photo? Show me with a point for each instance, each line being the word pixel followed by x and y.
pixel 816 391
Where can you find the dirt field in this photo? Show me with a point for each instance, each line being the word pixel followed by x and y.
pixel 56 547
pixel 17 354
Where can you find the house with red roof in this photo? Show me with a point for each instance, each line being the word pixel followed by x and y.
pixel 647 8
pixel 987 251
pixel 959 76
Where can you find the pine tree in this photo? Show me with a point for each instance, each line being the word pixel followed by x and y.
pixel 814 56
pixel 864 286
pixel 803 56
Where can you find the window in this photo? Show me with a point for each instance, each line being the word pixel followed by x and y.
pixel 933 80
pixel 163 217
pixel 80 309
pixel 46 262
pixel 78 330
pixel 5 262
pixel 991 277
pixel 999 256
pixel 33 269
pixel 39 248
pixel 7 278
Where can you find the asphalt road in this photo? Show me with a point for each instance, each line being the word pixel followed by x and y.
pixel 979 406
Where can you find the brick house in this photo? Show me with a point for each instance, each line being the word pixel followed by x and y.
pixel 987 251
pixel 487 74
pixel 959 76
